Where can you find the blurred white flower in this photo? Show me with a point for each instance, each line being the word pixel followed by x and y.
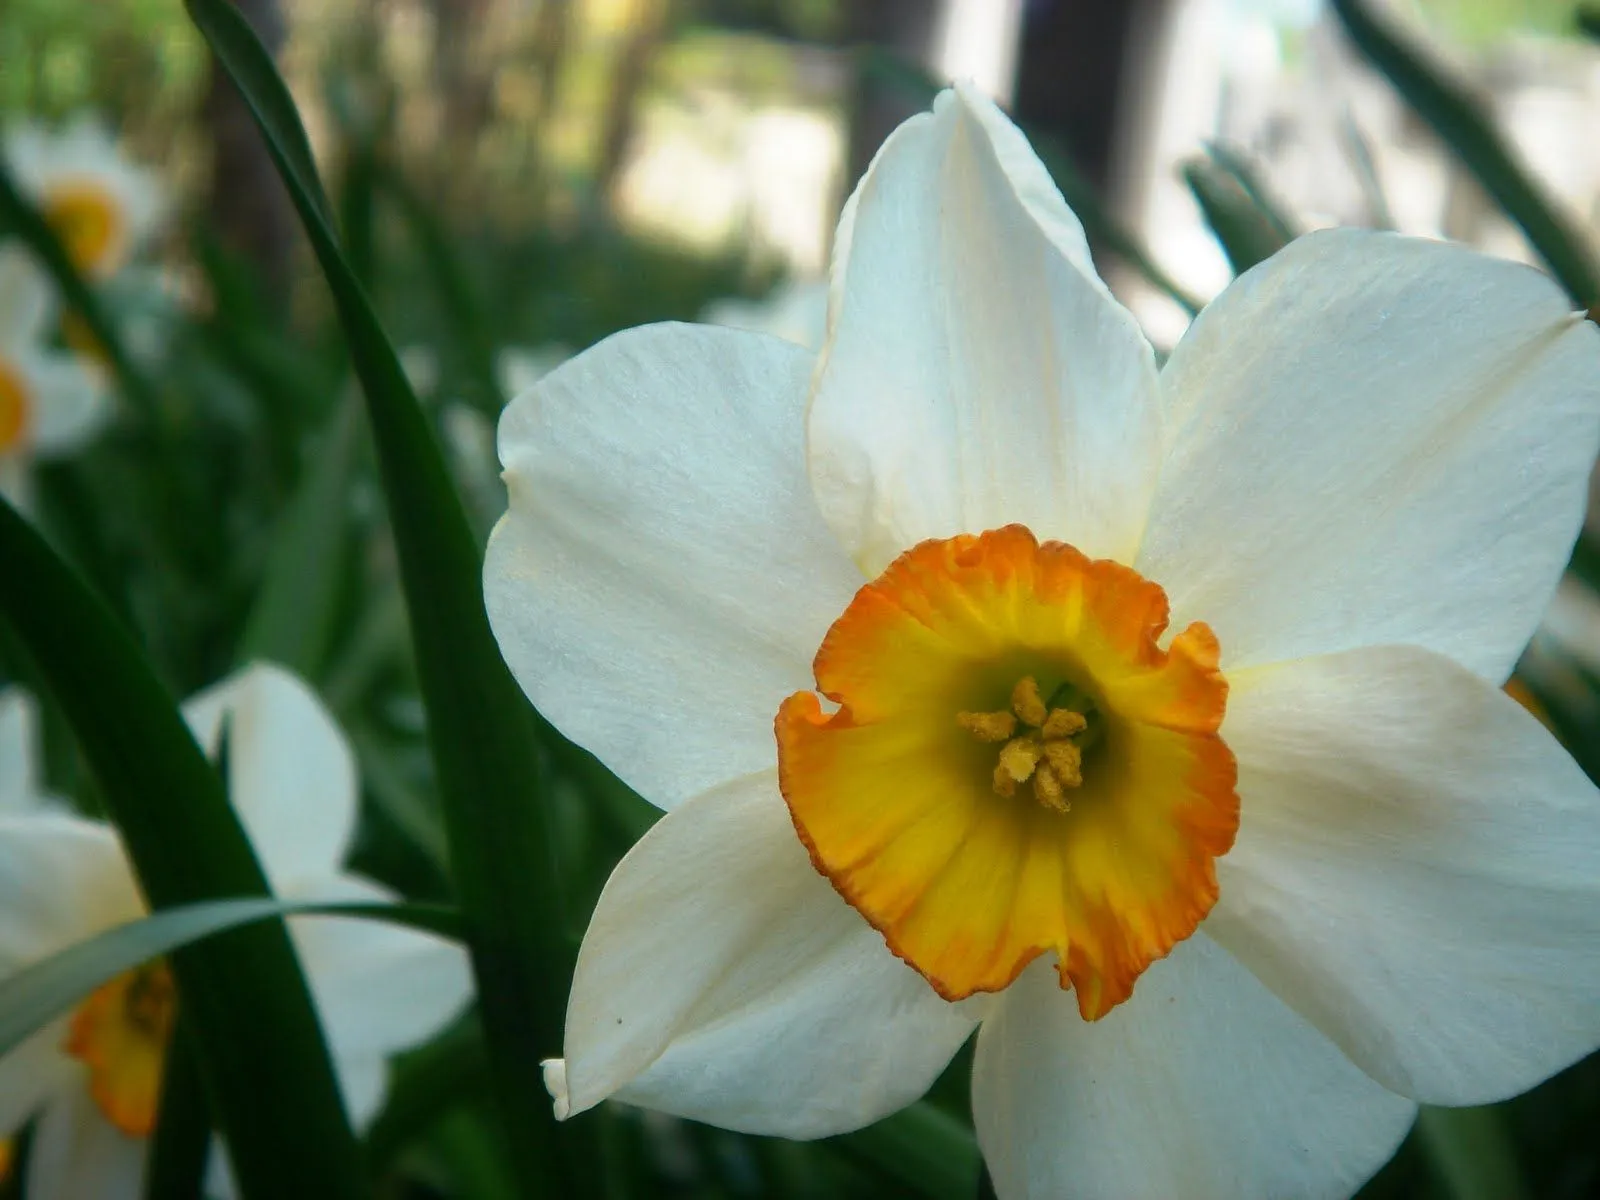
pixel 796 311
pixel 1301 865
pixel 103 206
pixel 20 777
pixel 51 401
pixel 91 1080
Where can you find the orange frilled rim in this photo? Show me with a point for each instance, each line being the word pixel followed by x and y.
pixel 120 1033
pixel 13 407
pixel 897 804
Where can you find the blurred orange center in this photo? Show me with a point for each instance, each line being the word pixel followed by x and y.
pixel 1016 766
pixel 88 220
pixel 120 1032
pixel 13 407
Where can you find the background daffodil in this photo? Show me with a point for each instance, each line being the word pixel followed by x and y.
pixel 1281 876
pixel 90 1081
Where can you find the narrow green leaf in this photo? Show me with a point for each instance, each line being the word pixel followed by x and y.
pixel 1471 1153
pixel 18 214
pixel 175 1168
pixel 36 995
pixel 1456 115
pixel 1248 177
pixel 293 617
pixel 1247 233
pixel 281 1112
pixel 921 1147
pixel 427 1083
pixel 483 732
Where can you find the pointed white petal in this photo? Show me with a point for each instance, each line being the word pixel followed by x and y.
pixel 723 979
pixel 1203 1085
pixel 61 879
pixel 1375 439
pixel 27 300
pixel 379 988
pixel 1415 871
pixel 77 1155
pixel 33 1074
pixel 69 403
pixel 291 774
pixel 363 1083
pixel 976 372
pixel 663 578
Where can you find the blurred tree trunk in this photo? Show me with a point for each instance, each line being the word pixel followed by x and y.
pixel 906 29
pixel 1077 61
pixel 632 69
pixel 247 205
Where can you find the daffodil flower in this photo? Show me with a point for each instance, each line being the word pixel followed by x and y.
pixel 1224 904
pixel 91 1080
pixel 103 206
pixel 51 402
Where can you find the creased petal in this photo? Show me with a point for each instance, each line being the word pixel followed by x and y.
pixel 1203 1085
pixel 1415 871
pixel 19 771
pixel 663 576
pixel 976 372
pixel 379 988
pixel 76 1154
pixel 1374 440
pixel 722 979
pixel 291 774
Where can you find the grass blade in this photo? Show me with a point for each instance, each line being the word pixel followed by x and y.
pixel 921 1147
pixel 483 733
pixel 1459 119
pixel 1247 232
pixel 281 1112
pixel 1471 1153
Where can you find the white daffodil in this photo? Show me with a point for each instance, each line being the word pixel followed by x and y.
pixel 1223 905
pixel 103 206
pixel 796 311
pixel 20 786
pixel 51 402
pixel 91 1080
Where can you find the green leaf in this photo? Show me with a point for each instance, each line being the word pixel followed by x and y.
pixel 19 215
pixel 1248 232
pixel 923 1148
pixel 1455 114
pixel 293 617
pixel 484 734
pixel 1471 1153
pixel 175 1168
pixel 38 994
pixel 281 1112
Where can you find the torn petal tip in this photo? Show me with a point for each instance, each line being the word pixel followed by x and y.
pixel 555 1082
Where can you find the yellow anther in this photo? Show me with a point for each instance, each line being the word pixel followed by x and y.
pixel 1047 789
pixel 1066 762
pixel 988 726
pixel 1019 756
pixel 13 407
pixel 1063 722
pixel 1027 703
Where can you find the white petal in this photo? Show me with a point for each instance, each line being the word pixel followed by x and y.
pixel 77 1155
pixel 1417 871
pixel 663 578
pixel 1202 1085
pixel 724 980
pixel 27 300
pixel 363 1083
pixel 292 776
pixel 32 1074
pixel 976 372
pixel 19 768
pixel 379 988
pixel 69 403
pixel 62 879
pixel 1375 439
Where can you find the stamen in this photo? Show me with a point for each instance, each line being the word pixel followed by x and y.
pixel 1047 789
pixel 1019 756
pixel 1066 762
pixel 1063 722
pixel 1027 703
pixel 988 726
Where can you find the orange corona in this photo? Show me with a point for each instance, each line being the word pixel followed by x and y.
pixel 120 1033
pixel 1016 767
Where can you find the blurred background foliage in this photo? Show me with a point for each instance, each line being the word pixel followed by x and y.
pixel 518 178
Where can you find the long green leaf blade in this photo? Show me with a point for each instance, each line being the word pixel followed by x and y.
pixel 36 995
pixel 921 1147
pixel 1247 233
pixel 1461 122
pixel 1471 1152
pixel 281 1113
pixel 482 730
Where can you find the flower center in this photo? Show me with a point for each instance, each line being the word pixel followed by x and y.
pixel 1016 766
pixel 13 407
pixel 120 1033
pixel 88 220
